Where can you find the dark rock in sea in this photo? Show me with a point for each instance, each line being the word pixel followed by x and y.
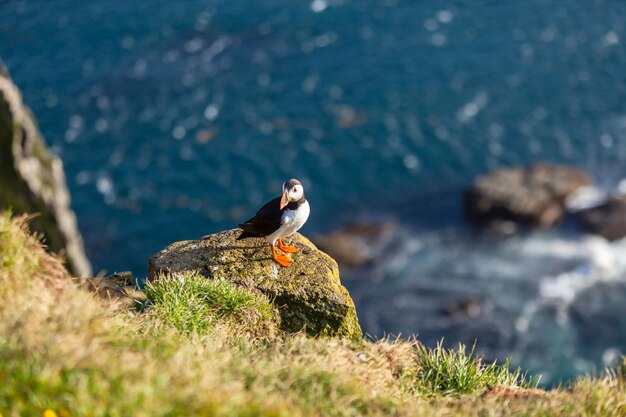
pixel 32 179
pixel 466 307
pixel 308 295
pixel 607 220
pixel 533 196
pixel 357 244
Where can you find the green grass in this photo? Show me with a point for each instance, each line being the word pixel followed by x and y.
pixel 206 348
pixel 444 371
pixel 193 304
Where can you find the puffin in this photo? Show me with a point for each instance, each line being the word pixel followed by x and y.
pixel 278 219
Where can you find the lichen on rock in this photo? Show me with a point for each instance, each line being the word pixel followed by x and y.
pixel 308 295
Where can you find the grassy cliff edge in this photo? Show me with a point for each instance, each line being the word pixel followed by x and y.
pixel 199 347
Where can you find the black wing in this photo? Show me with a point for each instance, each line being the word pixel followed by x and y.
pixel 266 221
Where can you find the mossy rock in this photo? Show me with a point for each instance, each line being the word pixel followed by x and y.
pixel 308 295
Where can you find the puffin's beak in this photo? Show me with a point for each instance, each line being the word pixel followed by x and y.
pixel 284 200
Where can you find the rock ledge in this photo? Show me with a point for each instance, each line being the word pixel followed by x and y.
pixel 308 295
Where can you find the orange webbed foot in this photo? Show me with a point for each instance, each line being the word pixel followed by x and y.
pixel 285 248
pixel 281 258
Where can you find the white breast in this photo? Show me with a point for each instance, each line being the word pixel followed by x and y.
pixel 292 221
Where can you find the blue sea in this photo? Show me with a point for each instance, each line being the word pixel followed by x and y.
pixel 178 119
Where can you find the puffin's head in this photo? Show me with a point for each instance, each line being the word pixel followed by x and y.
pixel 292 191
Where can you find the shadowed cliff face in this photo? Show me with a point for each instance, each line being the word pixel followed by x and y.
pixel 32 179
pixel 308 295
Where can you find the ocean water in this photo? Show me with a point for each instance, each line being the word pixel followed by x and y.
pixel 178 119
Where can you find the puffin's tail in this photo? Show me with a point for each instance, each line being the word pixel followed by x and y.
pixel 244 234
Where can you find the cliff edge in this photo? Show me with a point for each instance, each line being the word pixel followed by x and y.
pixel 32 179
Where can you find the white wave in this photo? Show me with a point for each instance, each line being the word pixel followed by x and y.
pixel 585 198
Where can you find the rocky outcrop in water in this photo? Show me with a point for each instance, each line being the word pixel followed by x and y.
pixel 533 196
pixel 357 244
pixel 607 220
pixel 32 179
pixel 308 295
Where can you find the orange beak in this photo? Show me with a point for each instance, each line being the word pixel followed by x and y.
pixel 284 200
